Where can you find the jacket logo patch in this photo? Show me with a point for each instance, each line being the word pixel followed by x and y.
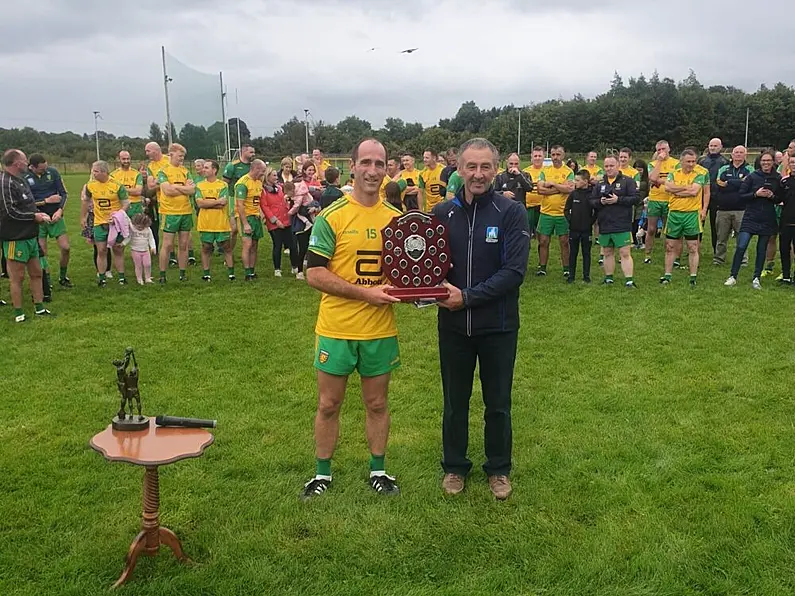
pixel 492 234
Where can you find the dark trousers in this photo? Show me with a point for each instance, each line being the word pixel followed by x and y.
pixel 155 227
pixel 496 354
pixel 302 240
pixel 786 240
pixel 284 238
pixel 577 240
pixel 713 227
pixel 743 240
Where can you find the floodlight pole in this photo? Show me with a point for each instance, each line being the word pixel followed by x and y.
pixel 747 117
pixel 96 131
pixel 227 150
pixel 306 128
pixel 519 136
pixel 166 80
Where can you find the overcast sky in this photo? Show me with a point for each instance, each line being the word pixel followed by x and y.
pixel 65 58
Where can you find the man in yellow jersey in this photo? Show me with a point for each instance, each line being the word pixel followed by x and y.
pixel 627 169
pixel 107 196
pixel 784 168
pixel 533 198
pixel 248 191
pixel 321 164
pixel 130 179
pixel 392 171
pixel 432 190
pixel 686 213
pixel 176 189
pixel 356 324
pixel 411 176
pixel 212 199
pixel 660 167
pixel 554 185
pixel 593 168
pixel 157 161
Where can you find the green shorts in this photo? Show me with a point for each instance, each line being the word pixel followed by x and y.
pixel 135 209
pixel 213 237
pixel 21 250
pixel 172 224
pixel 552 225
pixel 683 223
pixel 532 217
pixel 657 209
pixel 616 240
pixel 371 357
pixel 52 230
pixel 257 232
pixel 101 232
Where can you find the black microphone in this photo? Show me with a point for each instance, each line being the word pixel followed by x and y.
pixel 185 422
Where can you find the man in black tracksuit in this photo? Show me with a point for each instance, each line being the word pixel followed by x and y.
pixel 713 161
pixel 613 199
pixel 513 182
pixel 479 323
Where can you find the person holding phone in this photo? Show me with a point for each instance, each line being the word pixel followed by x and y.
pixel 759 190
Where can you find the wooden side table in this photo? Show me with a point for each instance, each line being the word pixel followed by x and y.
pixel 151 448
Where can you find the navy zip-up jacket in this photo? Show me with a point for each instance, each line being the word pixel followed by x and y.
pixel 489 246
pixel 729 181
pixel 617 218
pixel 760 213
pixel 46 185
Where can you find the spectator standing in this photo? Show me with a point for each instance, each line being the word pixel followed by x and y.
pixel 276 213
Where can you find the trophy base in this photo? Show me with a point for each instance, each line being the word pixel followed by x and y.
pixel 412 294
pixel 130 423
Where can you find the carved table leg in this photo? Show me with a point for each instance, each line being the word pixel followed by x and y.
pixel 151 535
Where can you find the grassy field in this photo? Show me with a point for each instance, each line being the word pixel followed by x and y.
pixel 653 445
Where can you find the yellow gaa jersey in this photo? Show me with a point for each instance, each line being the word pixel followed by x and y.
pixel 215 219
pixel 129 179
pixel 411 178
pixel 107 197
pixel 679 178
pixel 631 172
pixel 154 168
pixel 348 234
pixel 595 171
pixel 533 199
pixel 554 204
pixel 431 183
pixel 657 193
pixel 179 205
pixel 249 190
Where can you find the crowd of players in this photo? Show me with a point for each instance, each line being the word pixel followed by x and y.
pixel 154 208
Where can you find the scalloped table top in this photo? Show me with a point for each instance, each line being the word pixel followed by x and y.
pixel 155 446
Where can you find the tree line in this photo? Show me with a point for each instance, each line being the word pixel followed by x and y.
pixel 634 114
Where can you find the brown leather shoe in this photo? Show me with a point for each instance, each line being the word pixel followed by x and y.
pixel 500 487
pixel 453 484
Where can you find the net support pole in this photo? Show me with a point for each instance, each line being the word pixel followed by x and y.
pixel 227 150
pixel 165 87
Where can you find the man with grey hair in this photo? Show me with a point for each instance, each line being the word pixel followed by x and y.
pixel 728 204
pixel 19 231
pixel 489 241
pixel 713 161
pixel 107 197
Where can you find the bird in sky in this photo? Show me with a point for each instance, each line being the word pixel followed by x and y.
pixel 409 51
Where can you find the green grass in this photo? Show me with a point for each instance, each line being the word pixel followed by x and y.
pixel 652 444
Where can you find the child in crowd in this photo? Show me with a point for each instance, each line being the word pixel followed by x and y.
pixel 580 215
pixel 392 192
pixel 142 247
pixel 332 191
pixel 303 207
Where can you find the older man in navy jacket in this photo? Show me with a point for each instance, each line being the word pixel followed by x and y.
pixel 479 321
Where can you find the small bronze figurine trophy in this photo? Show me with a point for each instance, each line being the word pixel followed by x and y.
pixel 127 382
